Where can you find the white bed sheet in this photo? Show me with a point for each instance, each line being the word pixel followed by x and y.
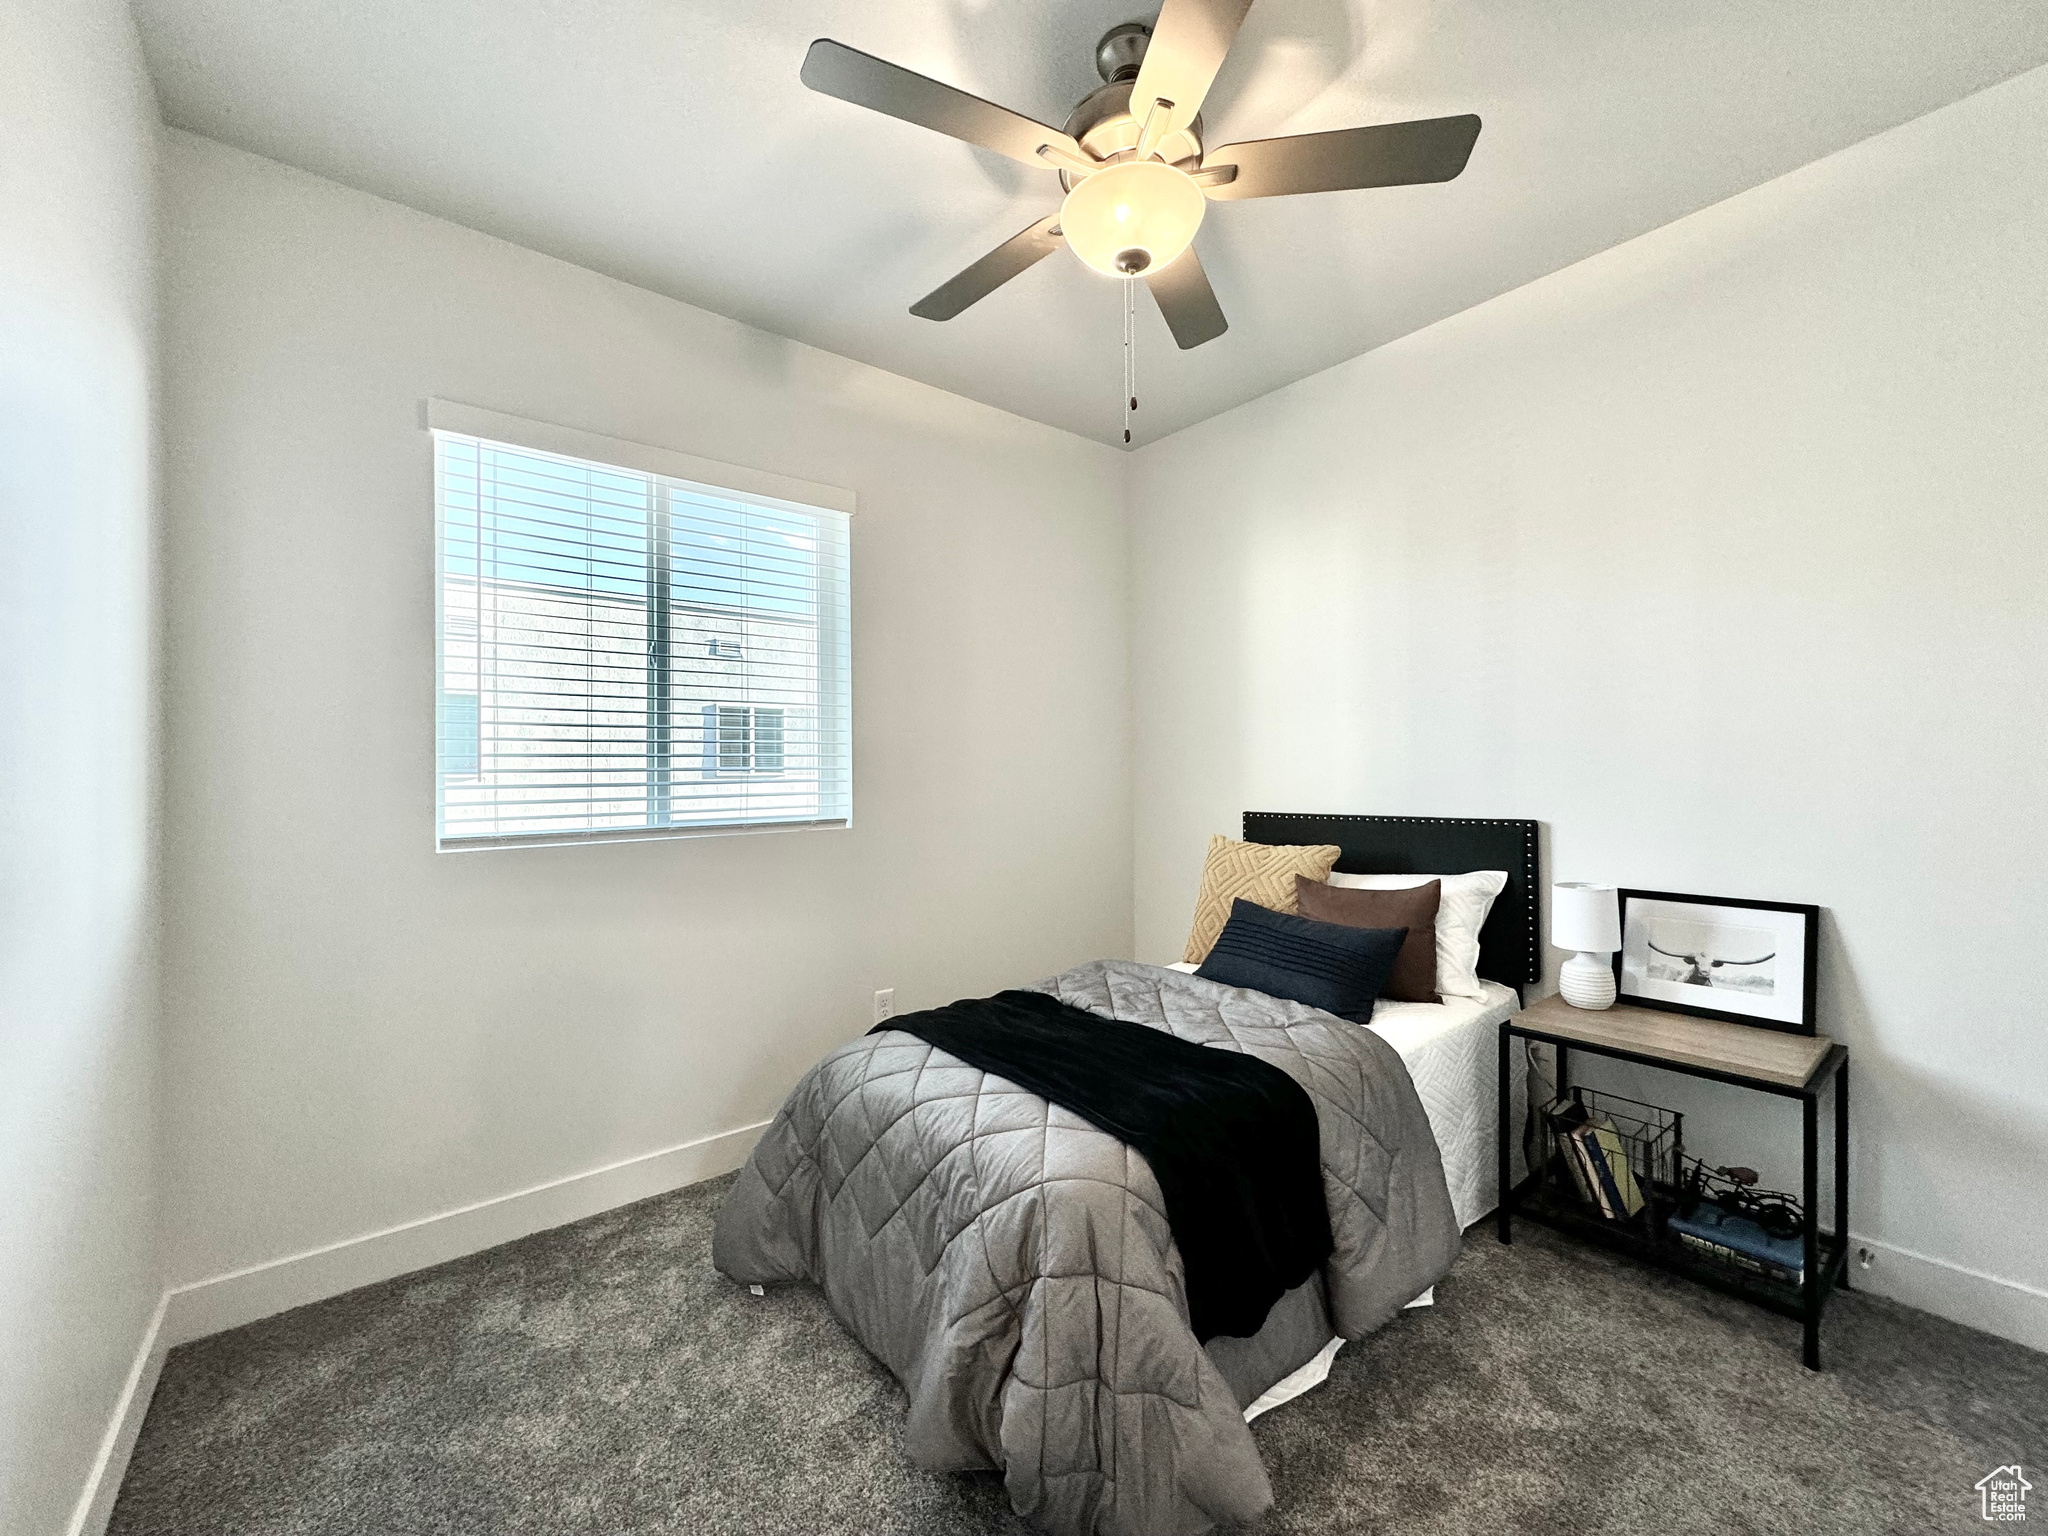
pixel 1452 1051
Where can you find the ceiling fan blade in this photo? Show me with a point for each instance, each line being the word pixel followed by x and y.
pixel 1188 44
pixel 833 69
pixel 1383 155
pixel 1187 301
pixel 1022 250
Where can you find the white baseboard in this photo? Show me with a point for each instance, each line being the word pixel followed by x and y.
pixel 262 1290
pixel 103 1483
pixel 2008 1308
pixel 190 1312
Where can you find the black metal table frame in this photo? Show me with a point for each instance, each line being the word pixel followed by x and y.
pixel 1817 1280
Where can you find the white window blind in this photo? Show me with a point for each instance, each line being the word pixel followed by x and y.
pixel 625 653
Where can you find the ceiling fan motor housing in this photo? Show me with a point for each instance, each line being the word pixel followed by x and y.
pixel 1106 129
pixel 1121 51
pixel 1103 122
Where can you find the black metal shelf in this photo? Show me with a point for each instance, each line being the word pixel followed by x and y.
pixel 1721 1055
pixel 1653 1245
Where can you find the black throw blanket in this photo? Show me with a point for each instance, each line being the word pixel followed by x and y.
pixel 1232 1140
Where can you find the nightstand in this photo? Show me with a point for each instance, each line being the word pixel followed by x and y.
pixel 1766 1060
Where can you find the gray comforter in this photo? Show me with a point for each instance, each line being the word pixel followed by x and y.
pixel 1013 1266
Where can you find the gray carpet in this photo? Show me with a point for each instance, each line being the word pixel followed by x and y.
pixel 603 1379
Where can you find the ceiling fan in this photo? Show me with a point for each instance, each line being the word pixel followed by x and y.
pixel 1131 160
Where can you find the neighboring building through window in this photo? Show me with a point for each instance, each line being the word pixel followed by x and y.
pixel 630 653
pixel 742 738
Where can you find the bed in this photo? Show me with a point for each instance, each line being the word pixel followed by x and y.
pixel 1449 1049
pixel 1013 1265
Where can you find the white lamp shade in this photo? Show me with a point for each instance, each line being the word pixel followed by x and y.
pixel 1586 918
pixel 1132 217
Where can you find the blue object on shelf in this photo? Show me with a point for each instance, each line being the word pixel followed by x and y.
pixel 1716 1227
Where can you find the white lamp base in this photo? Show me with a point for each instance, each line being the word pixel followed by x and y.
pixel 1587 981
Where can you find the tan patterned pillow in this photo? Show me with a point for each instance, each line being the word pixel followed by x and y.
pixel 1257 872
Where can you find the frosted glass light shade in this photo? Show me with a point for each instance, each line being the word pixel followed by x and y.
pixel 1586 918
pixel 1133 217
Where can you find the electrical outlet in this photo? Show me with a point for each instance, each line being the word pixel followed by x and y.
pixel 885 1004
pixel 1865 1258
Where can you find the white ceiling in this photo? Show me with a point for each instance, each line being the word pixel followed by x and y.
pixel 669 143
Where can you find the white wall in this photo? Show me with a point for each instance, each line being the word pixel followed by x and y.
pixel 1724 553
pixel 78 1267
pixel 365 1032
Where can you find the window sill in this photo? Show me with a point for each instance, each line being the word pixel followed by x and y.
pixel 635 835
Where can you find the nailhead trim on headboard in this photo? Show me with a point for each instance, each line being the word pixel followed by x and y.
pixel 1532 935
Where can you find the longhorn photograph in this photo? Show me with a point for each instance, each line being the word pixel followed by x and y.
pixel 1703 955
pixel 1749 962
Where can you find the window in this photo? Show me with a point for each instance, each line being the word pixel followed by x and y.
pixel 458 743
pixel 742 738
pixel 630 647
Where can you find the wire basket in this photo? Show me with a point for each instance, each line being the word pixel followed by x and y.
pixel 1614 1158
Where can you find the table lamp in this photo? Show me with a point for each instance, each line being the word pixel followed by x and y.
pixel 1587 920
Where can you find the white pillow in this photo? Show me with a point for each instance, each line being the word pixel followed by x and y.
pixel 1460 914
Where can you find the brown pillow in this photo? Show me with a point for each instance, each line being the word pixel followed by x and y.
pixel 1413 979
pixel 1259 872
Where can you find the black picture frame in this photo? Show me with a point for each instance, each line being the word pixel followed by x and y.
pixel 1806 1023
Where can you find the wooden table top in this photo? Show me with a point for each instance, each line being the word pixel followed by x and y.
pixel 1740 1050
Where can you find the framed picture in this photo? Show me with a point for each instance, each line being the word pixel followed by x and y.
pixel 1749 962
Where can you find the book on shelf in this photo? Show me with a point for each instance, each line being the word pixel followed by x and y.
pixel 1741 1243
pixel 1605 1196
pixel 1586 1174
pixel 1614 1159
pixel 1575 1167
pixel 1562 1122
pixel 1734 1259
pixel 1598 1161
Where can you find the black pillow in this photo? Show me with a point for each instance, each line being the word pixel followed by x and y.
pixel 1338 969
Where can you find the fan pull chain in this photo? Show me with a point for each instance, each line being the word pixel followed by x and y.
pixel 1130 353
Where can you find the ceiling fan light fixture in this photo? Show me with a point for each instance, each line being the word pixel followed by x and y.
pixel 1133 217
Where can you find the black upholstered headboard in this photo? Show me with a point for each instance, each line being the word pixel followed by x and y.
pixel 1511 943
